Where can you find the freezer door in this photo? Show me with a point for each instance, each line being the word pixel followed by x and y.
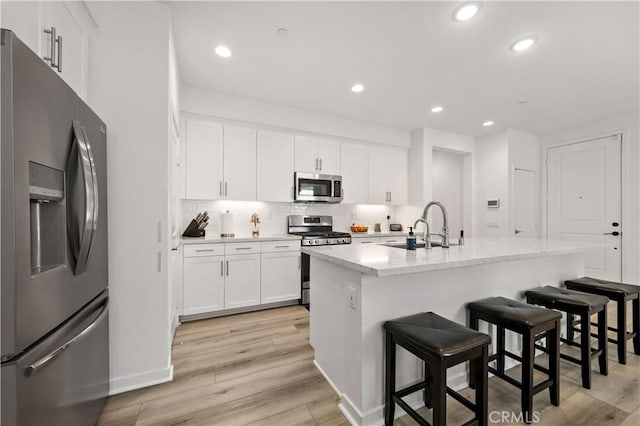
pixel 65 379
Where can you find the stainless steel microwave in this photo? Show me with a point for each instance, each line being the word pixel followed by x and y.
pixel 315 188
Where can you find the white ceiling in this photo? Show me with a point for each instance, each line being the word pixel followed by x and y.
pixel 411 56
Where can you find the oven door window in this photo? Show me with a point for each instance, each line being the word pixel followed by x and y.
pixel 314 188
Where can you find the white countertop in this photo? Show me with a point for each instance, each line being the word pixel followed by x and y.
pixel 242 239
pixel 382 261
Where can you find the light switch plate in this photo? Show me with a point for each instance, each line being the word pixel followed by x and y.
pixel 353 298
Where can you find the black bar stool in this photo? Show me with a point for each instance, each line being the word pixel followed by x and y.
pixel 621 294
pixel 532 323
pixel 584 305
pixel 441 344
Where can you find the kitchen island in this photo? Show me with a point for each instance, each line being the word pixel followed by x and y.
pixel 355 288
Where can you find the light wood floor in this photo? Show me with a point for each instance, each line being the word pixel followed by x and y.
pixel 257 368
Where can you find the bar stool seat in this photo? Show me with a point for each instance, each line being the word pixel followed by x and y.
pixel 620 293
pixel 584 305
pixel 441 344
pixel 532 323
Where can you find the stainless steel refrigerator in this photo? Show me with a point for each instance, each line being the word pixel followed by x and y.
pixel 55 303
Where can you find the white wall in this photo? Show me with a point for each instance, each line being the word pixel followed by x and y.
pixel 629 126
pixel 491 182
pixel 448 188
pixel 128 65
pixel 206 102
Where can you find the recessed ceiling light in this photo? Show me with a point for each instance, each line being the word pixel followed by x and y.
pixel 282 32
pixel 488 123
pixel 465 11
pixel 523 44
pixel 357 88
pixel 223 51
pixel 436 109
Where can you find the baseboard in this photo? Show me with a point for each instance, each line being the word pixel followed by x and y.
pixel 142 380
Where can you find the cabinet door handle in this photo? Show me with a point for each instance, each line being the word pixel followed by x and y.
pixel 221 188
pixel 222 268
pixel 316 164
pixel 299 261
pixel 52 46
pixel 59 64
pixel 321 164
pixel 227 268
pixel 225 189
pixel 389 196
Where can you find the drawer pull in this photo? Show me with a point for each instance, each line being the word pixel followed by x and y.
pixel 202 250
pixel 282 246
pixel 366 242
pixel 243 248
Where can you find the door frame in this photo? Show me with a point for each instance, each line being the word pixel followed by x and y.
pixel 625 160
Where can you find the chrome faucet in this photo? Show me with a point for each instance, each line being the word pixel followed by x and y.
pixel 445 226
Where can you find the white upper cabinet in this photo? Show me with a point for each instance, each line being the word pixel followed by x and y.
pixel 66 51
pixel 220 161
pixel 313 155
pixel 239 163
pixel 354 166
pixel 275 166
pixel 388 176
pixel 203 160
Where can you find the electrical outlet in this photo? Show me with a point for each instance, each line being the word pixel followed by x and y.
pixel 353 298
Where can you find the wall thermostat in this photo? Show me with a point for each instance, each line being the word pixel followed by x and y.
pixel 493 204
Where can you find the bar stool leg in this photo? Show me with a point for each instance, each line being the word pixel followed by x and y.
pixel 427 390
pixel 622 331
pixel 602 341
pixel 439 395
pixel 390 379
pixel 570 333
pixel 526 395
pixel 585 350
pixel 500 349
pixel 482 391
pixel 554 364
pixel 636 325
pixel 473 324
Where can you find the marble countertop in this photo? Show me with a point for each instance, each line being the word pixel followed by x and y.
pixel 241 239
pixel 382 261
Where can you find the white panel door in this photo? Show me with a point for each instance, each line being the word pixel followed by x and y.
pixel 355 177
pixel 203 160
pixel 242 281
pixel 203 284
pixel 275 166
pixel 280 274
pixel 307 155
pixel 378 189
pixel 584 201
pixel 397 173
pixel 329 156
pixel 525 203
pixel 239 163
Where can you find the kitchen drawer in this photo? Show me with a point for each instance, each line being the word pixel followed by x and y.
pixel 241 248
pixel 365 240
pixel 197 250
pixel 275 246
pixel 392 240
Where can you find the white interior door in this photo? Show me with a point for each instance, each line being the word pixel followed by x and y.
pixel 525 201
pixel 584 201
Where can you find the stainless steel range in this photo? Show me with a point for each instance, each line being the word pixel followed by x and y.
pixel 315 231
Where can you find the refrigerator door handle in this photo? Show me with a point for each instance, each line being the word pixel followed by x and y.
pixel 81 243
pixel 42 362
pixel 94 179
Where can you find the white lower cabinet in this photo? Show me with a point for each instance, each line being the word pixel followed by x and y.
pixel 203 284
pixel 219 277
pixel 242 281
pixel 280 276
